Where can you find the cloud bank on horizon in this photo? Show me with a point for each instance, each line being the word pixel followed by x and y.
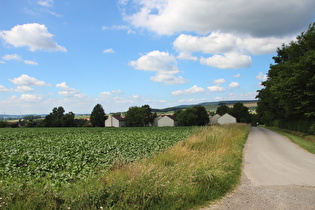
pixel 134 52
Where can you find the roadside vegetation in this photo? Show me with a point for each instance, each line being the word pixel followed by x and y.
pixel 196 170
pixel 304 140
pixel 287 99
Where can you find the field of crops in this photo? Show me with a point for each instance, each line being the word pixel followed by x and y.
pixel 66 155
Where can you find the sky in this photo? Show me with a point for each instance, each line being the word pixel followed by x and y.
pixel 124 53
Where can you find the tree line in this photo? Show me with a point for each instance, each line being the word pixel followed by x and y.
pixel 136 117
pixel 288 97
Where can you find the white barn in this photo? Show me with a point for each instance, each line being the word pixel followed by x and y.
pixel 214 119
pixel 226 119
pixel 115 121
pixel 165 121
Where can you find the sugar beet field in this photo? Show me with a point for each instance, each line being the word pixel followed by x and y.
pixel 61 156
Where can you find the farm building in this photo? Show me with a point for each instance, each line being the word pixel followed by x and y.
pixel 226 119
pixel 165 121
pixel 115 121
pixel 214 119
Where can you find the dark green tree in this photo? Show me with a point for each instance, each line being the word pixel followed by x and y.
pixel 68 120
pixel 223 109
pixel 57 118
pixel 54 118
pixel 148 115
pixel 186 117
pixel 58 112
pixel 202 115
pixel 135 117
pixel 192 116
pixel 240 112
pixel 288 93
pixel 98 116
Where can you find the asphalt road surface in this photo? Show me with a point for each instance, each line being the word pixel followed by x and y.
pixel 277 174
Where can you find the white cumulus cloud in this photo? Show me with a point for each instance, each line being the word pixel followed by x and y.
pixel 214 43
pixel 164 64
pixel 25 80
pixel 228 61
pixel 110 50
pixel 107 94
pixel 30 97
pixel 258 18
pixel 11 57
pixel 32 35
pixel 24 89
pixel 218 42
pixel 219 81
pixel 189 91
pixel 30 62
pixel 216 89
pixel 68 92
pixel 4 89
pixel 187 56
pixel 234 85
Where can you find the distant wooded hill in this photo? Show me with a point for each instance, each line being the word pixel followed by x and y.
pixel 210 106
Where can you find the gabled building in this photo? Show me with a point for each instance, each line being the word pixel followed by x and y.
pixel 115 121
pixel 165 121
pixel 214 119
pixel 226 119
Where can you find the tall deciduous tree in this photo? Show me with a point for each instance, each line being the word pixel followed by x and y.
pixel 98 117
pixel 222 109
pixel 135 117
pixel 57 118
pixel 139 116
pixel 148 115
pixel 192 116
pixel 288 93
pixel 240 112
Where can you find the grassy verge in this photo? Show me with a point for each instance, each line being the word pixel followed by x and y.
pixel 305 141
pixel 197 170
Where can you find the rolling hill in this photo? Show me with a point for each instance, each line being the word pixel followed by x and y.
pixel 210 106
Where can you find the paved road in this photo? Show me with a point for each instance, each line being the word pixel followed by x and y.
pixel 271 159
pixel 277 174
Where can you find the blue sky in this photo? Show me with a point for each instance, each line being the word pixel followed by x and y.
pixel 125 53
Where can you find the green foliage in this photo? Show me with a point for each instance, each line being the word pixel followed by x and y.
pixel 240 112
pixel 223 109
pixel 192 116
pixel 98 117
pixel 31 117
pixel 67 120
pixel 135 117
pixel 57 118
pixel 3 124
pixel 288 93
pixel 139 116
pixel 63 155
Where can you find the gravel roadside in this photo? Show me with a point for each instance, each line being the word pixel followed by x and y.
pixel 247 196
